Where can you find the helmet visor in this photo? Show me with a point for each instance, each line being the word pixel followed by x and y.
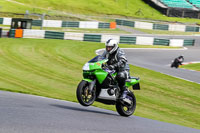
pixel 109 48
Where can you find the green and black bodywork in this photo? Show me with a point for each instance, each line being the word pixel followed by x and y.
pixel 99 84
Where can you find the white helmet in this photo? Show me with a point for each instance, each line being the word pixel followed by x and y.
pixel 111 43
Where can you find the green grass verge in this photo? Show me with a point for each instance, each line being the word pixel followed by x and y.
pixel 127 8
pixel 4 26
pixel 195 66
pixel 53 68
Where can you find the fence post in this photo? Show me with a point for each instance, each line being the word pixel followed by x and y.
pixel 42 19
pixel 26 15
pixel 198 15
pixel 168 12
pixel 183 14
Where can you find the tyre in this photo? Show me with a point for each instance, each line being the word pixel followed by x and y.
pixel 82 94
pixel 126 109
pixel 173 64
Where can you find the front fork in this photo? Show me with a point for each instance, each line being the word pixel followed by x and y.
pixel 91 86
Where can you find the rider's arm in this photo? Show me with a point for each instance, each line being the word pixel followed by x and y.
pixel 121 60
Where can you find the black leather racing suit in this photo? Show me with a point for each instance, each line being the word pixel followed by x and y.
pixel 118 61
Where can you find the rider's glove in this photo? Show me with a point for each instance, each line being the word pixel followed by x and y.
pixel 104 65
pixel 111 67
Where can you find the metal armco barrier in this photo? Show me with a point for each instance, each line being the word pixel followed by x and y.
pixel 158 41
pixel 192 29
pixel 12 33
pixel 70 24
pixel 1 20
pixel 92 38
pixel 160 27
pixel 37 23
pixel 54 35
pixel 60 23
pixel 125 23
pixel 104 25
pixel 139 40
pixel 147 25
pixel 189 42
pixel 127 40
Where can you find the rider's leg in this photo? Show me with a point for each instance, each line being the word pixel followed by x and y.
pixel 121 79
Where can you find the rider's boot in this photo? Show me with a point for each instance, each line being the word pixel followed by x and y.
pixel 123 93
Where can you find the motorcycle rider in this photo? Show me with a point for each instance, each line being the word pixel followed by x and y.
pixel 178 61
pixel 181 59
pixel 117 61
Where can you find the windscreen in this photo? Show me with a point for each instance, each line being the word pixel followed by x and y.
pixel 96 59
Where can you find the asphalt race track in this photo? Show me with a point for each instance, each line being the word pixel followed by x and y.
pixel 20 113
pixel 160 60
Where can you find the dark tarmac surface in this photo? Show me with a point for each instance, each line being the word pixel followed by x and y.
pixel 22 113
pixel 160 60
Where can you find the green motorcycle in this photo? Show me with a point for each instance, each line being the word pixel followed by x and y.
pixel 99 84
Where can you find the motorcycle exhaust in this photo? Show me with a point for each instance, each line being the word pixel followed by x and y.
pixel 111 92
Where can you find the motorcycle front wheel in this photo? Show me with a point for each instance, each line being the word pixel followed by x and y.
pixel 83 96
pixel 126 109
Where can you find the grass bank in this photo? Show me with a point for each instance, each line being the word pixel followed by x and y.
pixel 53 68
pixel 98 8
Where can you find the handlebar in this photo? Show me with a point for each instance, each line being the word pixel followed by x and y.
pixel 105 68
pixel 109 71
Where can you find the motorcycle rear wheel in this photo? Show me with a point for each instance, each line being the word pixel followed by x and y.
pixel 83 96
pixel 124 109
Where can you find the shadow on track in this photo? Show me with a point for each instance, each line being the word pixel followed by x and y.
pixel 81 109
